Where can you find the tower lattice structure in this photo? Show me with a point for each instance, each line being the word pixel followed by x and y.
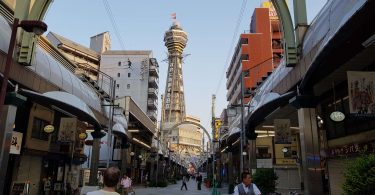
pixel 174 104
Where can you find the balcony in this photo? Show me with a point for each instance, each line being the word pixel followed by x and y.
pixel 152 104
pixel 152 93
pixel 153 81
pixel 154 67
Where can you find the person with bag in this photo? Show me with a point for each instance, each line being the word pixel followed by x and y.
pixel 111 178
pixel 126 184
pixel 184 180
pixel 247 187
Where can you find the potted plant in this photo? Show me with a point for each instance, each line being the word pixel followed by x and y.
pixel 265 179
pixel 360 175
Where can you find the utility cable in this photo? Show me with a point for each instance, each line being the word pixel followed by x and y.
pixel 113 23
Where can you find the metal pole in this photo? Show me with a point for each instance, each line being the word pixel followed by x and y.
pixel 242 125
pixel 4 84
pixel 109 139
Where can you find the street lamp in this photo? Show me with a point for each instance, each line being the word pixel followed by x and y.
pixel 38 28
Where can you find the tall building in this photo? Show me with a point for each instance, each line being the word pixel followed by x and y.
pixel 137 75
pixel 257 54
pixel 174 105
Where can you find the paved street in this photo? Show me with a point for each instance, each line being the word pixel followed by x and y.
pixel 173 189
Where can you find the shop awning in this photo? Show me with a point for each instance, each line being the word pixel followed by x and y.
pixel 233 135
pixel 263 110
pixel 119 130
pixel 64 102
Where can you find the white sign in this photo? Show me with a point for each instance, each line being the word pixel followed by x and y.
pixel 117 149
pixel 16 142
pixel 68 127
pixel 361 92
pixel 282 131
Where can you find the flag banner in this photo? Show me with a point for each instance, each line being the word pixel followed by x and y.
pixel 15 144
pixel 282 131
pixel 68 127
pixel 361 92
pixel 173 16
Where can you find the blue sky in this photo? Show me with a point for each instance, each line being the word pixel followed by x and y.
pixel 142 24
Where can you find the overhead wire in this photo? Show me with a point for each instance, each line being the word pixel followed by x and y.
pixel 113 23
pixel 232 45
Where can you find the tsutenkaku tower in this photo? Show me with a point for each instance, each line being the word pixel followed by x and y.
pixel 174 103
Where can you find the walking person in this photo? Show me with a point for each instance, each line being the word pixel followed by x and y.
pixel 184 180
pixel 111 178
pixel 247 187
pixel 199 181
pixel 126 184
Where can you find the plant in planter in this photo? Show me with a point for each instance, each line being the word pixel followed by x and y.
pixel 360 175
pixel 265 179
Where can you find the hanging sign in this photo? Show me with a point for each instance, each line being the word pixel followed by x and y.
pixel 16 142
pixel 282 131
pixel 361 90
pixel 82 136
pixel 49 129
pixel 68 127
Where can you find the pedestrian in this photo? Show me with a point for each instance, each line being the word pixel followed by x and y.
pixel 247 187
pixel 199 181
pixel 184 180
pixel 126 184
pixel 111 178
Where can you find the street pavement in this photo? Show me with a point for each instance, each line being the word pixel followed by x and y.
pixel 173 189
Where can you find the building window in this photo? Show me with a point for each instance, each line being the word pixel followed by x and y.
pixel 129 74
pixel 128 86
pixel 119 63
pixel 37 131
pixel 118 85
pixel 118 74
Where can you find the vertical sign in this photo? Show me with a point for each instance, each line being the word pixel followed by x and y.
pixel 169 87
pixel 16 142
pixel 68 127
pixel 117 149
pixel 282 131
pixel 216 130
pixel 361 92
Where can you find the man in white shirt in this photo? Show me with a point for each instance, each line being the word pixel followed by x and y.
pixel 111 178
pixel 126 184
pixel 246 187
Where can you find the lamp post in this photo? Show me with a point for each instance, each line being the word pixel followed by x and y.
pixel 38 28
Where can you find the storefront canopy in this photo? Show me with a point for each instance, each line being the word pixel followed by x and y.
pixel 233 135
pixel 119 130
pixel 263 110
pixel 64 102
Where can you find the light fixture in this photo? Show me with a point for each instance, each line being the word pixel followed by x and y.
pixel 285 149
pixel 140 156
pixel 131 153
pixel 244 153
pixel 133 130
pixel 140 142
pixel 89 130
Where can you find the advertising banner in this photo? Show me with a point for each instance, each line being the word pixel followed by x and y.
pixel 361 92
pixel 68 127
pixel 16 142
pixel 282 131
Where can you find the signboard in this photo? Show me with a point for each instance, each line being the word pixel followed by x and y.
pixel 18 188
pixel 216 130
pixel 361 87
pixel 282 131
pixel 16 142
pixel 352 149
pixel 117 149
pixel 168 95
pixel 272 11
pixel 68 127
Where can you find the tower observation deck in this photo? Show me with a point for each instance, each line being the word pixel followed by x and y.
pixel 174 103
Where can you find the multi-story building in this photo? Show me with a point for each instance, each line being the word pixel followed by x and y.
pixel 136 74
pixel 256 55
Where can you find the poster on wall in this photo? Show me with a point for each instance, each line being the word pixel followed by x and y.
pixel 361 89
pixel 68 127
pixel 116 149
pixel 16 142
pixel 282 131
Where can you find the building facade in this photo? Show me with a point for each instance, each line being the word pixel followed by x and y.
pixel 137 75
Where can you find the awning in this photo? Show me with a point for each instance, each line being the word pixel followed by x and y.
pixel 119 130
pixel 64 102
pixel 262 111
pixel 234 134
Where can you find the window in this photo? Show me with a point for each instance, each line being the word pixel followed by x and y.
pixel 128 86
pixel 37 131
pixel 118 85
pixel 118 74
pixel 129 74
pixel 263 153
pixel 119 63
